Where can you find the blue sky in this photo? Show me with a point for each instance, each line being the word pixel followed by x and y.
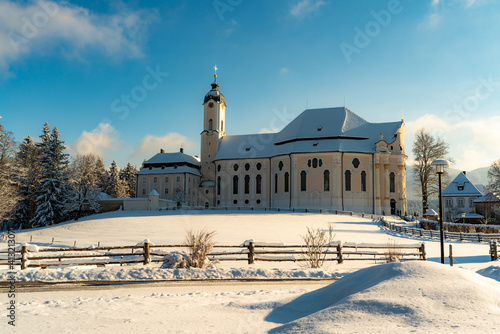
pixel 85 67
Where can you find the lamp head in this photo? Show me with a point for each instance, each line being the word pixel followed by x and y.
pixel 440 165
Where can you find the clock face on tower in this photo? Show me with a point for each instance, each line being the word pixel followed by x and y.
pixel 210 104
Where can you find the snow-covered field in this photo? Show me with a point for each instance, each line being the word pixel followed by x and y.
pixel 370 297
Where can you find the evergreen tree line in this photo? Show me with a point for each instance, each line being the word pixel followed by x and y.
pixel 40 186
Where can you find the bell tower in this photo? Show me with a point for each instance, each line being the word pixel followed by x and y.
pixel 214 116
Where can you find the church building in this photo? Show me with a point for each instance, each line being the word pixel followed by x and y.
pixel 328 158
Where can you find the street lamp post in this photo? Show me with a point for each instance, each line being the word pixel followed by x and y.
pixel 440 165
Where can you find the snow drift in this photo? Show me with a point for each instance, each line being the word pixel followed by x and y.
pixel 394 298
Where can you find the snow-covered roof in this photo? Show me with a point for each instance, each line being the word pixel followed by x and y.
pixel 314 130
pixel 172 158
pixel 169 170
pixel 154 193
pixel 463 187
pixel 207 184
pixel 431 212
pixel 488 198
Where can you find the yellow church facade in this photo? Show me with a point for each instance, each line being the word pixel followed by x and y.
pixel 327 158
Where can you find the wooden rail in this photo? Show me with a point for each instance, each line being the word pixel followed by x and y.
pixel 250 252
pixel 479 237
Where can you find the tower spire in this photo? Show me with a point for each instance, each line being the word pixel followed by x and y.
pixel 215 75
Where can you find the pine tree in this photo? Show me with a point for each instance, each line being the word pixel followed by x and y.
pixel 28 179
pixel 128 177
pixel 8 190
pixel 102 176
pixel 53 185
pixel 117 187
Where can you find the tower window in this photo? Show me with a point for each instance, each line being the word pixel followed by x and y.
pixel 326 180
pixel 247 184
pixel 392 185
pixel 275 183
pixel 347 180
pixel 222 125
pixel 303 176
pixel 210 124
pixel 286 181
pixel 235 185
pixel 363 181
pixel 218 185
pixel 258 184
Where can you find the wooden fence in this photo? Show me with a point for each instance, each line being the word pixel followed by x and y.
pixel 249 252
pixel 480 237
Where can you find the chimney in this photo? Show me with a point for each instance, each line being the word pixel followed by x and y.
pixel 162 150
pixel 182 150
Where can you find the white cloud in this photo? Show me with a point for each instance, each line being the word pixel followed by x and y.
pixel 104 140
pixel 305 7
pixel 150 145
pixel 44 26
pixel 284 70
pixel 473 143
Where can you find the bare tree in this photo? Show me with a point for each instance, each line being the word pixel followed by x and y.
pixel 9 195
pixel 494 177
pixel 426 149
pixel 84 181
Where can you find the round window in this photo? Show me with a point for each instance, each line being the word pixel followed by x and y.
pixel 258 201
pixel 235 167
pixel 259 166
pixel 355 162
pixel 247 201
pixel 210 104
pixel 206 191
pixel 235 201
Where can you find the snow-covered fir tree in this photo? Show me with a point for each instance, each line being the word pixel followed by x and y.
pixel 116 185
pixel 28 179
pixel 53 190
pixel 8 190
pixel 102 176
pixel 84 181
pixel 128 177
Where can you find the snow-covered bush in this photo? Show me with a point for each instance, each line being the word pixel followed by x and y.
pixel 317 244
pixel 175 260
pixel 200 244
pixel 394 251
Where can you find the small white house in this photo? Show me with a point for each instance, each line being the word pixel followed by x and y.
pixel 459 197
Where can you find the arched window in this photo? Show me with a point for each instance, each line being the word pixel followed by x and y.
pixel 275 183
pixel 392 183
pixel 286 181
pixel 247 166
pixel 258 184
pixel 210 124
pixel 347 180
pixel 363 181
pixel 326 180
pixel 218 185
pixel 247 184
pixel 303 180
pixel 235 185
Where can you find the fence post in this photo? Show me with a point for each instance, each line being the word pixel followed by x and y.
pixel 479 236
pixel 422 252
pixel 251 252
pixel 493 250
pixel 147 255
pixel 451 255
pixel 339 251
pixel 461 237
pixel 24 256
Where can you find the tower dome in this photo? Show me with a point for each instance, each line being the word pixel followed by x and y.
pixel 214 93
